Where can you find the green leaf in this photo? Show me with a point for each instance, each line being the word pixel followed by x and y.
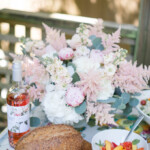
pixel 75 77
pixel 127 122
pixel 127 110
pixel 103 128
pixel 122 106
pixel 97 43
pixel 125 97
pixel 91 122
pixel 34 121
pixel 23 50
pixel 73 65
pixel 92 37
pixel 109 100
pixel 118 91
pixel 117 103
pixel 133 102
pixel 81 108
pixel 135 142
pixel 36 102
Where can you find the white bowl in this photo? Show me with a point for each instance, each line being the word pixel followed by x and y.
pixel 117 136
pixel 144 95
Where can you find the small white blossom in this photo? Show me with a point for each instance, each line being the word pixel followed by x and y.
pixel 84 64
pixel 82 51
pixel 110 69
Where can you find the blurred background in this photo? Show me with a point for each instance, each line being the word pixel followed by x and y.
pixel 14 24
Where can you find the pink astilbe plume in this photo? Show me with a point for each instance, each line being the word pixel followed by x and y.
pixel 109 41
pixel 55 38
pixel 101 112
pixel 131 78
pixel 90 84
pixel 96 29
pixel 34 72
pixel 37 92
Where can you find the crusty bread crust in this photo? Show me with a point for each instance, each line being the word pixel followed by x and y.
pixel 53 137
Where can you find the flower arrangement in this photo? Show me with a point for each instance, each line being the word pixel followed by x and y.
pixel 84 76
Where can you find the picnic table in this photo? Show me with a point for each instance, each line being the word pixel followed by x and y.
pixel 87 130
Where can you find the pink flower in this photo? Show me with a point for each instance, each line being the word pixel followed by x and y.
pixel 132 78
pixel 74 96
pixel 66 54
pixel 90 83
pixel 97 56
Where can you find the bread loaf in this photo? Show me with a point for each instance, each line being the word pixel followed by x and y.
pixel 53 137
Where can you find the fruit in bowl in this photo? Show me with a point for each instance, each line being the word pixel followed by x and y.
pixel 115 137
pixel 122 146
pixel 144 105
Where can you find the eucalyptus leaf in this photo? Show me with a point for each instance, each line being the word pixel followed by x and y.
pixel 92 37
pixel 36 102
pixel 135 142
pixel 122 106
pixel 125 97
pixel 81 108
pixel 133 102
pixel 109 100
pixel 117 103
pixel 75 77
pixel 97 43
pixel 34 121
pixel 118 91
pixel 73 65
pixel 23 50
pixel 127 110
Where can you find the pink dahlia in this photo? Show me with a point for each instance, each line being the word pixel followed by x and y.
pixel 66 54
pixel 74 96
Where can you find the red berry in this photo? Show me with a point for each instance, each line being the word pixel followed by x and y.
pixel 143 102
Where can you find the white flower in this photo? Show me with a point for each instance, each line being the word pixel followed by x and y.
pixel 28 46
pixel 39 44
pixel 110 69
pixel 57 111
pixel 82 51
pixel 75 41
pixel 97 55
pixel 107 89
pixel 84 64
pixel 50 51
pixel 109 58
pixel 59 73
